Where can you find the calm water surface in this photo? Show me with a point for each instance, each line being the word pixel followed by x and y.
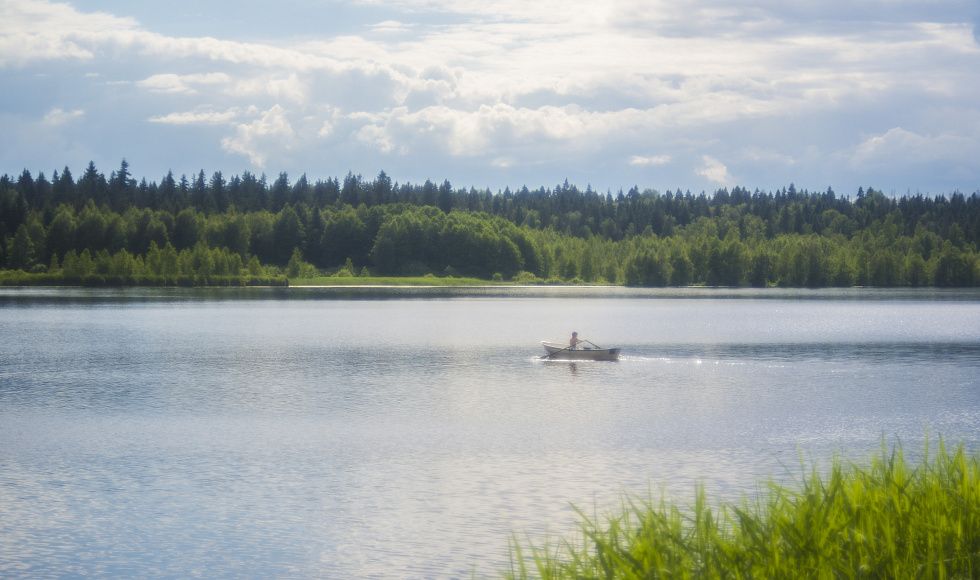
pixel 381 433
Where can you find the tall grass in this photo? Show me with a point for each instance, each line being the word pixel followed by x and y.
pixel 889 520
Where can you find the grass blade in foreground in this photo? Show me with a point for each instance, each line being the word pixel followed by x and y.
pixel 888 520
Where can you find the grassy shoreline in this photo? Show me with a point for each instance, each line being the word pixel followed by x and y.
pixel 20 278
pixel 15 278
pixel 43 280
pixel 394 281
pixel 887 520
pixel 424 281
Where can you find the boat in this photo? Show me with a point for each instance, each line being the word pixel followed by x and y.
pixel 558 351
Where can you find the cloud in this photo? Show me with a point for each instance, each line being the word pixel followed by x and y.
pixel 182 84
pixel 288 88
pixel 37 30
pixel 484 131
pixel 57 117
pixel 900 147
pixel 33 30
pixel 714 171
pixel 197 117
pixel 772 88
pixel 376 136
pixel 271 132
pixel 649 160
pixel 391 27
pixel 976 23
pixel 768 156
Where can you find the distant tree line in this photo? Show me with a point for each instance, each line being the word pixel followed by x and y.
pixel 210 230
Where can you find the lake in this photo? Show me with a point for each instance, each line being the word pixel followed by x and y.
pixel 412 433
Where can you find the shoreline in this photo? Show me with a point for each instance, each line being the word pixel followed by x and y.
pixel 420 291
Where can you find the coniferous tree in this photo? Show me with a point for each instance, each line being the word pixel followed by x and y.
pixel 168 193
pixel 121 186
pixel 217 197
pixel 199 193
pixel 92 186
pixel 63 188
pixel 280 193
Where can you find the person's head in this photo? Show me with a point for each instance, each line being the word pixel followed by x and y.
pixel 574 334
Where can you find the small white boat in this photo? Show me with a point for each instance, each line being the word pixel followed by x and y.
pixel 558 351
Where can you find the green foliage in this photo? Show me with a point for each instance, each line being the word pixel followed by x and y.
pixel 186 231
pixel 525 277
pixel 955 267
pixel 645 238
pixel 61 230
pixel 648 269
pixel 288 234
pixel 346 271
pixel 23 254
pixel 343 235
pixel 890 520
pixel 91 231
pixel 200 265
pixel 420 240
pixel 297 268
pixel 426 280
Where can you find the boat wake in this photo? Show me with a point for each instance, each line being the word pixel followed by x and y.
pixel 673 360
pixel 680 361
pixel 547 360
pixel 649 359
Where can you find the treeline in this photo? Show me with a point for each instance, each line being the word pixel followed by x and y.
pixel 565 208
pixel 256 230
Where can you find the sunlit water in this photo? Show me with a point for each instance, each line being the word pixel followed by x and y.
pixel 369 434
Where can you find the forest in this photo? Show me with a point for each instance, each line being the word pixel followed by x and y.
pixel 244 229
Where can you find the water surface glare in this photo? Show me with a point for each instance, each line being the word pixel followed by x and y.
pixel 384 433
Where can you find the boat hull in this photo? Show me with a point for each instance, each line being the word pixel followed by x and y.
pixel 562 352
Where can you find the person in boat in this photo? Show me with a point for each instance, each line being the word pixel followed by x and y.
pixel 573 342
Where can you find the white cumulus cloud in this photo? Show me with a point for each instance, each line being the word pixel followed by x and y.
pixel 269 133
pixel 197 117
pixel 714 171
pixel 36 30
pixel 58 116
pixel 535 88
pixel 281 88
pixel 376 136
pixel 650 160
pixel 898 146
pixel 185 84
pixel 390 27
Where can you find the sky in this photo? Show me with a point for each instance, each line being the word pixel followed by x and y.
pixel 662 94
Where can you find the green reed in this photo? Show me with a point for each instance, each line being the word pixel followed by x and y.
pixel 889 520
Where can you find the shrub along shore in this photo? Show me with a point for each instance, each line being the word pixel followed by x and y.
pixel 888 520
